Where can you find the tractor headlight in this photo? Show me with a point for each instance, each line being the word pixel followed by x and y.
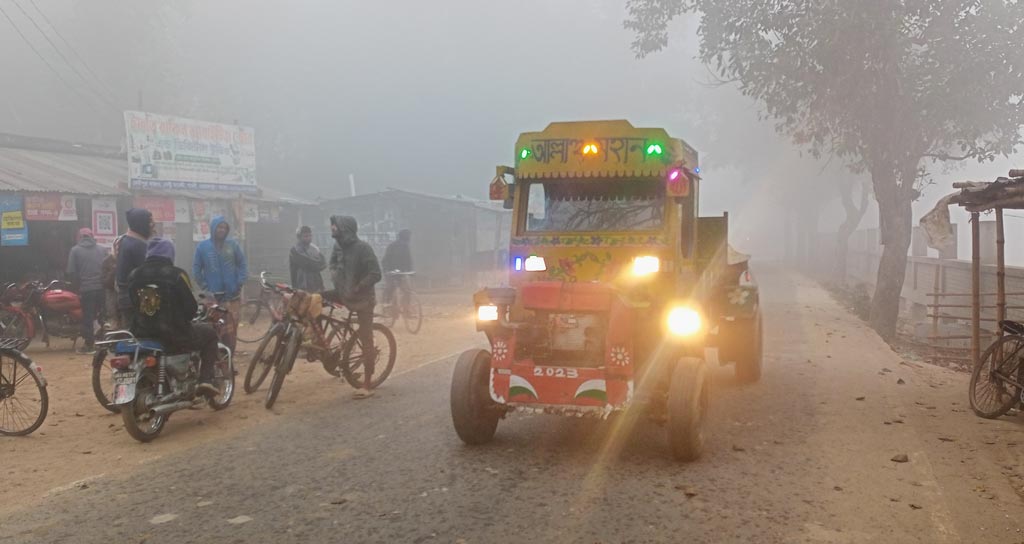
pixel 646 265
pixel 487 312
pixel 535 264
pixel 684 321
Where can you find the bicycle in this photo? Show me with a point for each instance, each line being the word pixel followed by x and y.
pixel 269 303
pixel 997 382
pixel 404 303
pixel 332 340
pixel 23 399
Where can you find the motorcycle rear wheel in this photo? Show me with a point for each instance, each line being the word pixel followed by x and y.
pixel 136 417
pixel 224 379
pixel 102 375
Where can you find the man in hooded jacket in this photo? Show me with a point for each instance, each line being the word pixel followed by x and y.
pixel 306 262
pixel 161 294
pixel 220 267
pixel 130 256
pixel 355 271
pixel 85 270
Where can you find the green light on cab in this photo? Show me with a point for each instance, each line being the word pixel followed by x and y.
pixel 654 149
pixel 525 153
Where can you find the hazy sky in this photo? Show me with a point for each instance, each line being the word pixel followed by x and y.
pixel 420 95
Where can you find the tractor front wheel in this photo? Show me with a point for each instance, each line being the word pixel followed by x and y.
pixel 474 414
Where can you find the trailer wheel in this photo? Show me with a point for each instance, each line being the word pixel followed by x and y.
pixel 474 414
pixel 751 356
pixel 687 408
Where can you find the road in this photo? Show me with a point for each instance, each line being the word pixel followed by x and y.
pixel 803 456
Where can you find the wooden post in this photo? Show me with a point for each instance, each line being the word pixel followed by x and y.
pixel 975 290
pixel 937 285
pixel 1000 269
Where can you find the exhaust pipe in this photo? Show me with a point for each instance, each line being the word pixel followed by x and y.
pixel 165 409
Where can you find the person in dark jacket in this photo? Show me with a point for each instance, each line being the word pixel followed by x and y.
pixel 161 295
pixel 130 256
pixel 110 286
pixel 397 258
pixel 306 262
pixel 355 271
pixel 85 270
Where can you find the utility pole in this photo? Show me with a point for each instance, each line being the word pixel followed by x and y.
pixel 352 184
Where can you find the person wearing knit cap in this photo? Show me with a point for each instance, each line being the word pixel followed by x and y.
pixel 130 256
pixel 164 306
pixel 85 272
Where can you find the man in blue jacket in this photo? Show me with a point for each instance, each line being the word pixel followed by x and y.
pixel 220 267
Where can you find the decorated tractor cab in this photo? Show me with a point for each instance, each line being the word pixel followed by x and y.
pixel 616 288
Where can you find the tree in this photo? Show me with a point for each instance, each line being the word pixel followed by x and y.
pixel 855 210
pixel 883 84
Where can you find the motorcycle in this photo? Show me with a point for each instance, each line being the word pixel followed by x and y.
pixel 149 384
pixel 51 308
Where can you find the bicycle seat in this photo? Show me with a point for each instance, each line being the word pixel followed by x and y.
pixel 128 346
pixel 1011 327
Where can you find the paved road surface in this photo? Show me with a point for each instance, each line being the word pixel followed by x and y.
pixel 796 458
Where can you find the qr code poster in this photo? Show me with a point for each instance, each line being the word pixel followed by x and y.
pixel 104 221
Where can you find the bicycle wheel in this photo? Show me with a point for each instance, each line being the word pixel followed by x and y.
pixel 251 311
pixel 412 313
pixel 336 333
pixel 995 382
pixel 23 398
pixel 284 366
pixel 14 325
pixel 263 361
pixel 250 329
pixel 102 381
pixel 384 353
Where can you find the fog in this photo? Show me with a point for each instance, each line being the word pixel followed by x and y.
pixel 417 95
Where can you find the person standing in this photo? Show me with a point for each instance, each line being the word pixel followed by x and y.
pixel 397 258
pixel 220 267
pixel 355 271
pixel 111 318
pixel 85 270
pixel 131 255
pixel 306 262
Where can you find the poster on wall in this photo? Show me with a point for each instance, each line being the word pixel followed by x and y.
pixel 104 221
pixel 166 152
pixel 13 230
pixel 181 214
pixel 68 208
pixel 202 213
pixel 251 212
pixel 162 208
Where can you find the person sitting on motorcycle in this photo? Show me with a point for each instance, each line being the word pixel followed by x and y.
pixel 161 296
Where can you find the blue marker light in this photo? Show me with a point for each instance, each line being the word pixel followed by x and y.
pixel 519 264
pixel 696 170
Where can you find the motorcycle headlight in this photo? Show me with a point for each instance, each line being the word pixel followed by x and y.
pixel 487 312
pixel 646 265
pixel 684 321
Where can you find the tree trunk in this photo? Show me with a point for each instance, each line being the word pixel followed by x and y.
pixel 854 214
pixel 895 218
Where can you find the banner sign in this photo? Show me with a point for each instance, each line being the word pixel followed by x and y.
pixel 162 208
pixel 50 207
pixel 167 152
pixel 104 221
pixel 13 230
pixel 270 214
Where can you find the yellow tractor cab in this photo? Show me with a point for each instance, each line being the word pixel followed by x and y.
pixel 616 287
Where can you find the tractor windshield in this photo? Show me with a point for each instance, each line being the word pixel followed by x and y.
pixel 594 206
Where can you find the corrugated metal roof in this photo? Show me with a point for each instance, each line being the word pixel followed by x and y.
pixel 41 171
